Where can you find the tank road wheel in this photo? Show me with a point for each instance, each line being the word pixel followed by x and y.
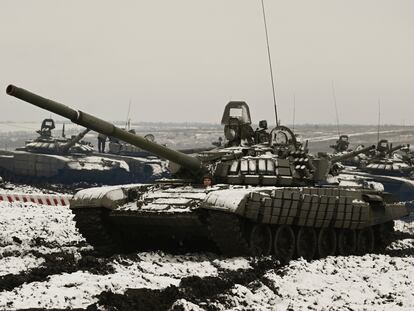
pixel 365 241
pixel 260 240
pixel 306 242
pixel 326 242
pixel 346 242
pixel 284 243
pixel 229 233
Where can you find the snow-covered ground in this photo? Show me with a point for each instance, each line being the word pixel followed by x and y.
pixel 370 282
pixel 43 265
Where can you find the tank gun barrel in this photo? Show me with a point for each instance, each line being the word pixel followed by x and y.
pixel 351 154
pixel 107 128
pixel 398 147
pixel 64 148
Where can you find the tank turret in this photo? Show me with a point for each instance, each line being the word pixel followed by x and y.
pixel 351 154
pixel 63 148
pixel 46 143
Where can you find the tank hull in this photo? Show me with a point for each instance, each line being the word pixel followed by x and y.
pixel 377 170
pixel 143 168
pixel 35 168
pixel 402 188
pixel 233 220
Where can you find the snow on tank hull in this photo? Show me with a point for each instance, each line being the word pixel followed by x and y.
pixel 143 169
pixel 27 167
pixel 287 222
pixel 389 168
pixel 402 188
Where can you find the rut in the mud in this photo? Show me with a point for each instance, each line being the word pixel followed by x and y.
pixel 193 289
pixel 400 251
pixel 55 263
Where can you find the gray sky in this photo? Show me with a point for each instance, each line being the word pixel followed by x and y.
pixel 182 60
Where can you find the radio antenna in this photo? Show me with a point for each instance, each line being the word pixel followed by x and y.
pixel 270 64
pixel 336 108
pixel 128 120
pixel 294 112
pixel 379 120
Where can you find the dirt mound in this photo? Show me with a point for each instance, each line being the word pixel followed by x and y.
pixel 196 289
pixel 55 263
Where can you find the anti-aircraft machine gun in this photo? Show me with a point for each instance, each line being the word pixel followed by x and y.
pixel 261 201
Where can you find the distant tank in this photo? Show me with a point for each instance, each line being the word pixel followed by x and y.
pixel 120 147
pixel 382 165
pixel 245 198
pixel 141 162
pixel 49 159
pixel 385 162
pixel 406 154
pixel 341 146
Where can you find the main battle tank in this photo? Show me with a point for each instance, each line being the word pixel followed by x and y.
pixel 120 147
pixel 406 154
pixel 341 146
pixel 383 166
pixel 385 162
pixel 266 198
pixel 60 160
pixel 142 164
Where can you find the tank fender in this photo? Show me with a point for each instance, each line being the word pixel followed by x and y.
pixel 109 197
pixel 372 198
pixel 388 212
pixel 229 200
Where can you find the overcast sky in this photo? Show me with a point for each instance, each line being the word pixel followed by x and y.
pixel 183 60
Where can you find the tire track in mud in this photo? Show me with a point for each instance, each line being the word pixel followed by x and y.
pixel 198 290
pixel 55 263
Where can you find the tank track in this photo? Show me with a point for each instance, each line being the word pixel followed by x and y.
pixel 92 224
pixel 231 233
pixel 228 232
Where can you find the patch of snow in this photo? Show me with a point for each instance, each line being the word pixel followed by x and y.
pixel 184 305
pixel 402 244
pixel 370 282
pixel 15 265
pixel 234 263
pixel 27 226
pixel 79 289
pixel 406 226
